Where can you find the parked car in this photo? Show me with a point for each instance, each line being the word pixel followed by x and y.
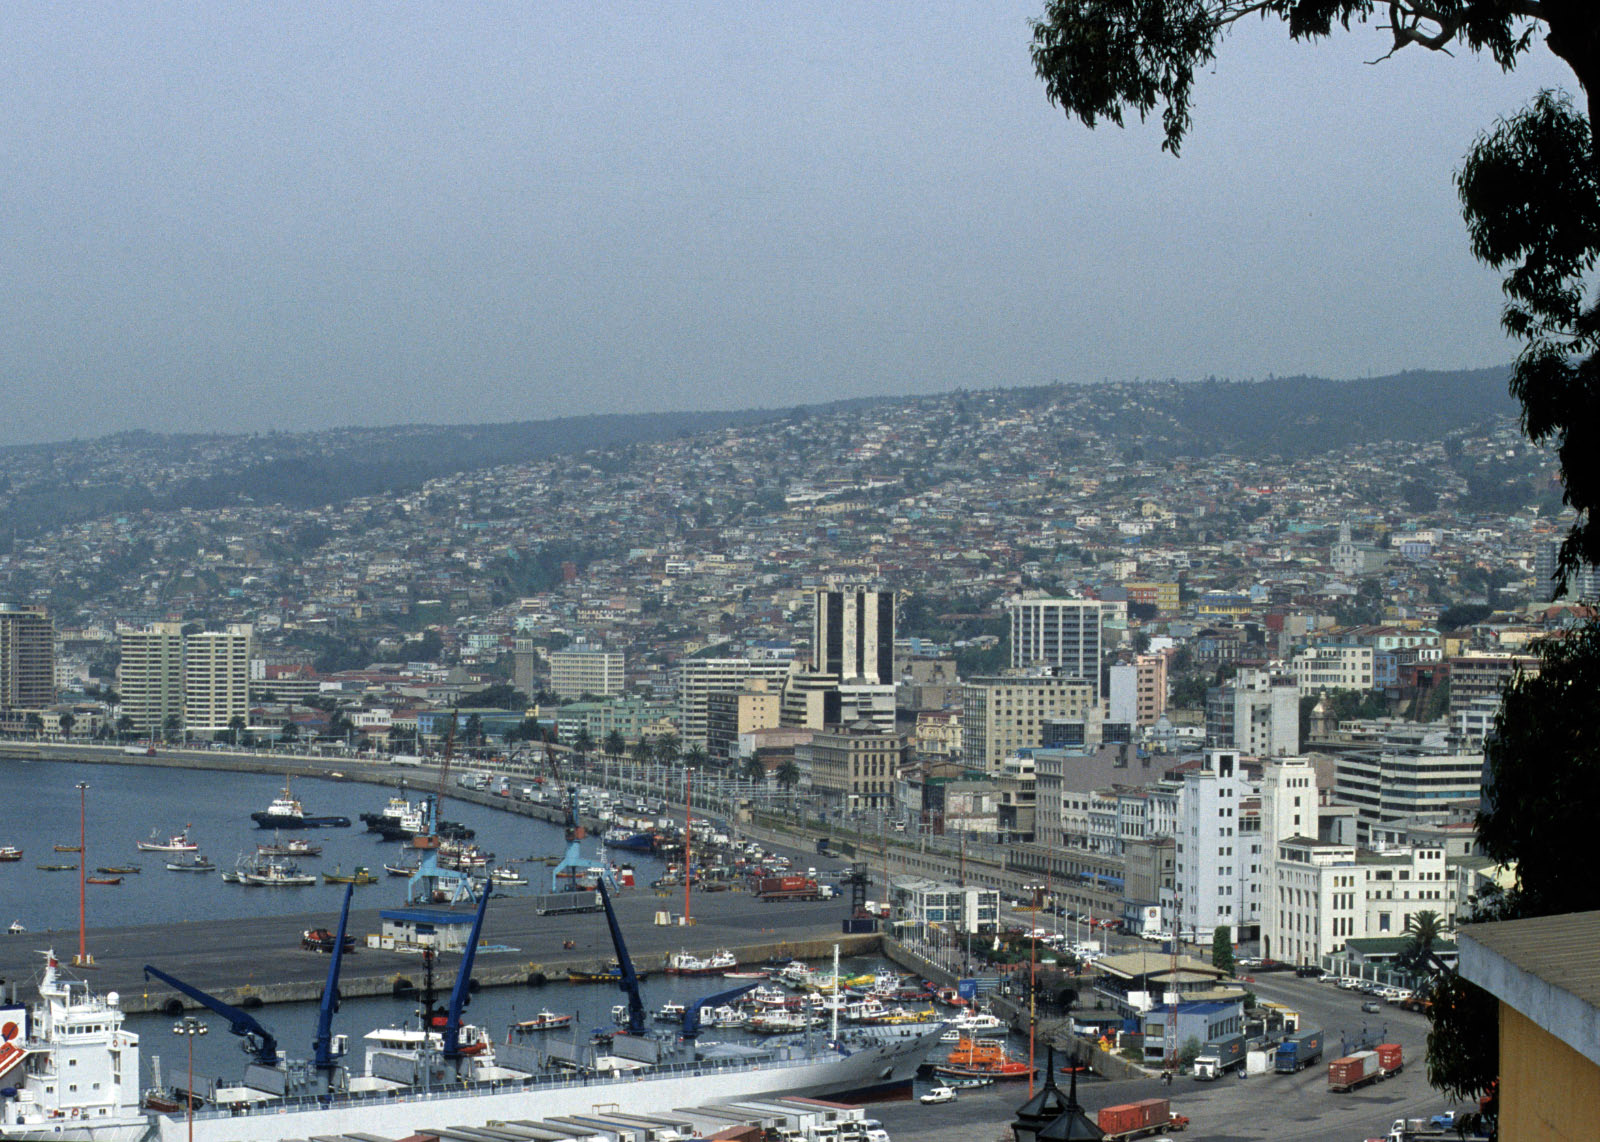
pixel 1372 1007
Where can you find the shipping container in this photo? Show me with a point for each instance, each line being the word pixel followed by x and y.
pixel 1353 1071
pixel 1391 1061
pixel 1134 1115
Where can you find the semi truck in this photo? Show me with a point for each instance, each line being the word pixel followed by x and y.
pixel 1439 1126
pixel 770 888
pixel 1354 1071
pixel 1297 1052
pixel 1141 1119
pixel 1218 1057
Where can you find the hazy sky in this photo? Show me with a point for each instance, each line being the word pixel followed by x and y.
pixel 249 216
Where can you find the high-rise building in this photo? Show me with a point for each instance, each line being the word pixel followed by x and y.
pixel 699 677
pixel 1000 715
pixel 576 672
pixel 1217 865
pixel 730 713
pixel 1583 585
pixel 150 676
pixel 523 659
pixel 27 658
pixel 216 678
pixel 1062 633
pixel 853 636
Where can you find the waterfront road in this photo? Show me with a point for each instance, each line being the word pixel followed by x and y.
pixel 262 958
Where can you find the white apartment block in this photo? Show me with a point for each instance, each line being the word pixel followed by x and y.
pixel 698 677
pixel 1325 894
pixel 1064 633
pixel 1001 715
pixel 574 673
pixel 1337 667
pixel 216 678
pixel 1212 877
pixel 150 676
pixel 1257 712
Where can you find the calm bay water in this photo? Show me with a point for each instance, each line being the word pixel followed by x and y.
pixel 126 803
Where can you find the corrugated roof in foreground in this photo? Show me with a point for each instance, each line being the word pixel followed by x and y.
pixel 1546 969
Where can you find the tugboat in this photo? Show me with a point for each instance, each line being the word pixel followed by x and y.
pixel 286 813
pixel 981 1059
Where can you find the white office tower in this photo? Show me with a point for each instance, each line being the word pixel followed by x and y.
pixel 697 678
pixel 1216 875
pixel 1288 813
pixel 1057 632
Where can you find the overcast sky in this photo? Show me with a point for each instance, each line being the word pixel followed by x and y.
pixel 254 216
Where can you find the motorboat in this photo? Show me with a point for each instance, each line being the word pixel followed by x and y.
pixel 195 863
pixel 176 843
pixel 544 1021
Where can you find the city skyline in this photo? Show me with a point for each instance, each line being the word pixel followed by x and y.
pixel 225 221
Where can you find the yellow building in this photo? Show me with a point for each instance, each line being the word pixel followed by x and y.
pixel 1546 976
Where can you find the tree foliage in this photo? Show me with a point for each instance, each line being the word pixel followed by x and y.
pixel 1222 950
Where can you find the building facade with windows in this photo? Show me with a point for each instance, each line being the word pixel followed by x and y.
pixel 1001 715
pixel 150 676
pixel 574 673
pixel 697 678
pixel 1061 633
pixel 1218 845
pixel 216 679
pixel 854 767
pixel 27 658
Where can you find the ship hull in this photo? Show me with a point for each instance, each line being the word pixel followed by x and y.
pixel 71 1130
pixel 884 1066
pixel 266 820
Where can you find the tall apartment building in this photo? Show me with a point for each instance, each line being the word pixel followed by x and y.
pixel 150 676
pixel 1152 687
pixel 852 635
pixel 1000 715
pixel 1327 894
pixel 524 657
pixel 1217 862
pixel 1584 586
pixel 699 677
pixel 1256 712
pixel 1063 633
pixel 27 658
pixel 216 678
pixel 574 673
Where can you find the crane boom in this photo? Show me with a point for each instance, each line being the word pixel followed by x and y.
pixel 265 1046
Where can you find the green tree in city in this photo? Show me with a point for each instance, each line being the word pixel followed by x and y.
pixel 788 774
pixel 172 727
pixel 615 745
pixel 474 730
pixel 124 727
pixel 1422 932
pixel 236 727
pixel 641 752
pixel 1222 950
pixel 695 757
pixel 754 770
pixel 582 745
pixel 668 749
pixel 289 731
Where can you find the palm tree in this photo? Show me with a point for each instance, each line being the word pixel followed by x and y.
pixel 695 757
pixel 668 749
pixel 172 727
pixel 615 745
pixel 788 774
pixel 124 725
pixel 236 726
pixel 1424 929
pixel 65 721
pixel 755 771
pixel 642 753
pixel 582 743
pixel 35 723
pixel 474 730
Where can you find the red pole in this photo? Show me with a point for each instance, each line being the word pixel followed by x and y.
pixel 83 860
pixel 688 836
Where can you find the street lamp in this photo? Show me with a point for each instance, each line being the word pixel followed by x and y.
pixel 189 1027
pixel 1033 891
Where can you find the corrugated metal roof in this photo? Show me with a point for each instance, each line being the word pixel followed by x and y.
pixel 1560 950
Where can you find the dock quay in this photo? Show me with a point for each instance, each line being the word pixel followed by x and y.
pixel 259 961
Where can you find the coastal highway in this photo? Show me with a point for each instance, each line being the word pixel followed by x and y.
pixel 261 958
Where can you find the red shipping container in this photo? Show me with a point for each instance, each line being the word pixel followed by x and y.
pixel 1134 1115
pixel 1390 1058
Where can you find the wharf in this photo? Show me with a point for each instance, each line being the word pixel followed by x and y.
pixel 260 961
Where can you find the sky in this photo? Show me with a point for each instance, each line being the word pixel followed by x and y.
pixel 248 217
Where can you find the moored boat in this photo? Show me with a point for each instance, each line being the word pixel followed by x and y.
pixel 10 853
pixel 287 813
pixel 176 843
pixel 117 869
pixel 276 873
pixel 195 863
pixel 544 1021
pixel 102 880
pixel 982 1058
pixel 361 875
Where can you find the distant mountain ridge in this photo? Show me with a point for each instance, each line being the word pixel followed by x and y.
pixel 48 485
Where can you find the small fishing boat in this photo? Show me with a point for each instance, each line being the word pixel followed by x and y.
pixel 398 869
pixel 276 873
pixel 360 876
pixel 506 876
pixel 177 843
pixel 102 880
pixel 56 867
pixel 68 849
pixel 10 853
pixel 293 847
pixel 117 869
pixel 195 863
pixel 544 1021
pixel 16 928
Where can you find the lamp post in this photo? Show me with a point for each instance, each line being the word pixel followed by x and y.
pixel 189 1027
pixel 1033 891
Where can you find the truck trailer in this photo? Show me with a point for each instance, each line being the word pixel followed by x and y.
pixel 1353 1071
pixel 1297 1052
pixel 1218 1057
pixel 557 903
pixel 1141 1119
pixel 770 888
